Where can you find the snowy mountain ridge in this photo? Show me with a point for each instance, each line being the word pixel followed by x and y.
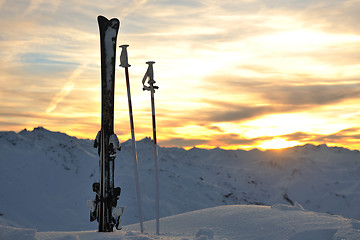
pixel 47 176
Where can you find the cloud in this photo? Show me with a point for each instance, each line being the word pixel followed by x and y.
pixel 45 64
pixel 348 136
pixel 226 139
pixel 14 114
pixel 340 136
pixel 281 96
pixel 182 3
pixel 228 113
pixel 11 123
pixel 217 111
pixel 237 99
pixel 42 58
pixel 34 4
pixel 310 94
pixel 334 16
pixel 231 111
pixel 215 128
pixel 299 136
pixel 260 98
pixel 182 142
pixel 76 124
pixel 214 141
pixel 236 140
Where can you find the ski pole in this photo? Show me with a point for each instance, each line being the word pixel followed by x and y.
pixel 124 63
pixel 150 74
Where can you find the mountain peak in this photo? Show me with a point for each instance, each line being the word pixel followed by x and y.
pixel 40 128
pixel 146 140
pixel 35 130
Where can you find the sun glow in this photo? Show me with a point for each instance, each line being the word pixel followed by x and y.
pixel 281 124
pixel 277 143
pixel 306 39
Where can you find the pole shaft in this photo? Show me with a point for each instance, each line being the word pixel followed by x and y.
pixel 102 207
pixel 157 200
pixel 134 150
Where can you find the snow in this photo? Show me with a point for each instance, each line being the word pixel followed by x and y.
pixel 47 178
pixel 12 233
pixel 224 222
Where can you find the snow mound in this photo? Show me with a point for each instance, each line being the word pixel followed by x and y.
pixel 12 233
pixel 255 222
pixel 219 223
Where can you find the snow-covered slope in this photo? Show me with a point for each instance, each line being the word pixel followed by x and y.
pixel 225 222
pixel 46 178
pixel 257 222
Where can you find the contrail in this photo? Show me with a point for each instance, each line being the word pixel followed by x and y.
pixel 66 90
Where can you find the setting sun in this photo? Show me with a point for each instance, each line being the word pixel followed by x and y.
pixel 277 143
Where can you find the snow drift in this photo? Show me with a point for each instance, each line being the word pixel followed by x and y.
pixel 224 222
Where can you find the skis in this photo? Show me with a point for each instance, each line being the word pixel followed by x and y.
pixel 103 208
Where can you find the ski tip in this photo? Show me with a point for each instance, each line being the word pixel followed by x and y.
pixel 103 21
pixel 101 17
pixel 115 23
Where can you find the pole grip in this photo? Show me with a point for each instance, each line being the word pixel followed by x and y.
pixel 124 56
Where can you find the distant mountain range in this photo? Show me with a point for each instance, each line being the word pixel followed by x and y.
pixel 46 178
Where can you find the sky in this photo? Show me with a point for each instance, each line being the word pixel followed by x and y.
pixel 232 74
